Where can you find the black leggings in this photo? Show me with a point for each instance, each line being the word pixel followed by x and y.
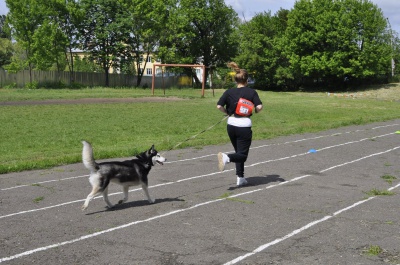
pixel 241 141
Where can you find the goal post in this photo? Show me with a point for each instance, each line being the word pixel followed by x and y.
pixel 180 65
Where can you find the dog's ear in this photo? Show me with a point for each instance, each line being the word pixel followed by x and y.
pixel 151 150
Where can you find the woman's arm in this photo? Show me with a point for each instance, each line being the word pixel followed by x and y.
pixel 222 109
pixel 259 108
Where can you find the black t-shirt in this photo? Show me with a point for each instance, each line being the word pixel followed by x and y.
pixel 231 97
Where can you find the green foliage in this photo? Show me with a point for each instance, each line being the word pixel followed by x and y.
pixel 319 44
pixel 6 51
pixel 48 47
pixel 86 65
pixel 222 78
pixel 329 41
pixel 261 48
pixel 6 47
pixel 389 178
pixel 374 250
pixel 11 86
pixel 32 85
pixel 145 25
pixel 101 32
pixel 19 59
pixel 201 31
pixel 376 192
pixel 38 199
pixel 24 18
pixel 4 28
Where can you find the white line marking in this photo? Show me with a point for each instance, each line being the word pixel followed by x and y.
pixel 295 232
pixel 47 181
pixel 392 188
pixel 195 177
pixel 276 241
pixel 321 149
pixel 204 156
pixel 384 126
pixel 71 202
pixel 30 252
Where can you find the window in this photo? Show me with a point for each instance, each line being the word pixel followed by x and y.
pixel 149 59
pixel 149 71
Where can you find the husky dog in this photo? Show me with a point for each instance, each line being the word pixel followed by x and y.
pixel 125 173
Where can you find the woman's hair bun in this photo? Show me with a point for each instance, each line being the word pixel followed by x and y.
pixel 241 75
pixel 234 66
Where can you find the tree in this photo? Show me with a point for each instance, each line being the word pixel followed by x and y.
pixel 395 44
pixel 6 48
pixel 68 16
pixel 24 17
pixel 86 65
pixel 4 30
pixel 260 51
pixel 18 60
pixel 201 31
pixel 329 41
pixel 46 29
pixel 49 45
pixel 101 33
pixel 6 52
pixel 144 25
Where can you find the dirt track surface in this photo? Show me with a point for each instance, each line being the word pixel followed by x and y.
pixel 87 101
pixel 301 207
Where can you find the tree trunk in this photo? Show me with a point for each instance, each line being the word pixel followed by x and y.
pixel 106 72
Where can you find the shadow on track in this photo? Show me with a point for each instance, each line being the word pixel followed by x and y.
pixel 132 204
pixel 260 180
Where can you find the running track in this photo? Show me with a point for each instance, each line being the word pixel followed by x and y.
pixel 301 207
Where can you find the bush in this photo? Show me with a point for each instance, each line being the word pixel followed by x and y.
pixel 11 86
pixel 33 85
pixel 394 79
pixel 219 83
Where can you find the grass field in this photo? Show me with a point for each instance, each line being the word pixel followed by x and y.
pixel 46 135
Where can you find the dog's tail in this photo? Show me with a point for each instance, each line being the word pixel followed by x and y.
pixel 87 157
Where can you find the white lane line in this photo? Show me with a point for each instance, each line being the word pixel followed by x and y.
pixel 204 156
pixel 30 252
pixel 195 177
pixel 385 126
pixel 26 253
pixel 47 181
pixel 297 231
pixel 71 202
pixel 322 149
pixel 291 142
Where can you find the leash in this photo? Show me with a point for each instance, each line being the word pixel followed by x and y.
pixel 194 136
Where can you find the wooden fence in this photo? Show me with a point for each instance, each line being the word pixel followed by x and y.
pixel 52 78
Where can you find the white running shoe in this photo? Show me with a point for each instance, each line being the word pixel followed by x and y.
pixel 241 182
pixel 223 159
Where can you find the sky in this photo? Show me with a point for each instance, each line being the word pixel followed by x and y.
pixel 248 8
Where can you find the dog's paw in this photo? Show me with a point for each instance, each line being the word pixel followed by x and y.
pixel 152 201
pixel 83 207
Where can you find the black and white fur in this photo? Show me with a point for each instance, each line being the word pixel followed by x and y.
pixel 125 173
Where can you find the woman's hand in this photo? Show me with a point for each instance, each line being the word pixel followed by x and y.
pixel 222 109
